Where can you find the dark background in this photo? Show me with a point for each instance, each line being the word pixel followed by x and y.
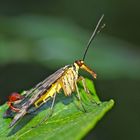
pixel 38 37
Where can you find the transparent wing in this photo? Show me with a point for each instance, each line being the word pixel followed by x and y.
pixel 33 94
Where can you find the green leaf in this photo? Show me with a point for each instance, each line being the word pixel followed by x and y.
pixel 67 122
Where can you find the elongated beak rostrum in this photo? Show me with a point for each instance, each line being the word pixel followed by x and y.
pixel 83 66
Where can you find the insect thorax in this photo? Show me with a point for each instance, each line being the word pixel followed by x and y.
pixel 69 79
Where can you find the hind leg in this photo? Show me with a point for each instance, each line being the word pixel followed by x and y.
pixel 49 114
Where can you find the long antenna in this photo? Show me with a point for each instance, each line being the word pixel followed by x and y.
pixel 96 31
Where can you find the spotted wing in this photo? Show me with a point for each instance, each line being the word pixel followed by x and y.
pixel 36 92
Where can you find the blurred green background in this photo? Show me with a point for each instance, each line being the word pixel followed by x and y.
pixel 38 37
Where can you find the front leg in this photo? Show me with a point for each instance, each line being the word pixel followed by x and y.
pixel 79 97
pixel 81 78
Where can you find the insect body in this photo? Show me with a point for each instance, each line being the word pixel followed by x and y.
pixel 65 79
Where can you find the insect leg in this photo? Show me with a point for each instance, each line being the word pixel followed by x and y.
pixel 52 105
pixel 49 115
pixel 86 89
pixel 81 78
pixel 79 97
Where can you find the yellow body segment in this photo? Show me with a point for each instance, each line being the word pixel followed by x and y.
pixel 54 88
